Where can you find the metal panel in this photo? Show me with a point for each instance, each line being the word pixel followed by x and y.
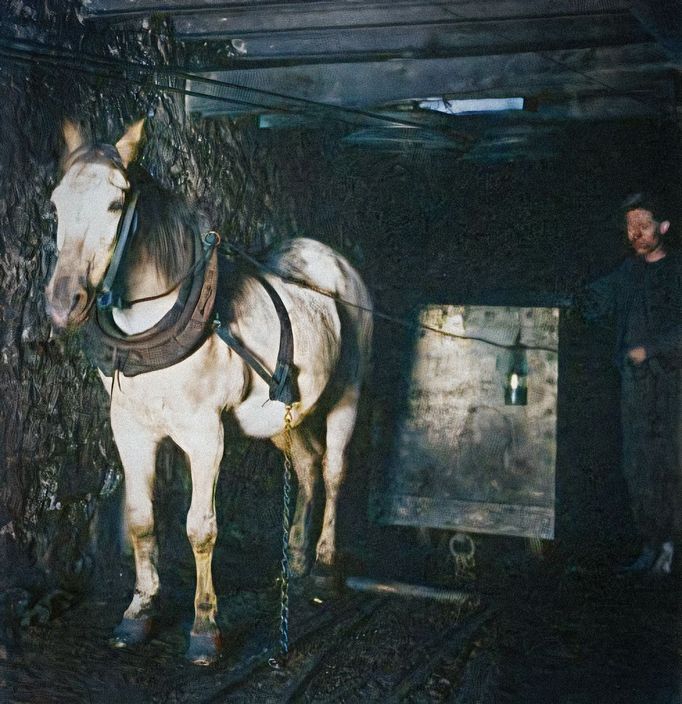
pixel 463 458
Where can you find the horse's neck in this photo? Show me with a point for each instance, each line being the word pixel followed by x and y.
pixel 144 282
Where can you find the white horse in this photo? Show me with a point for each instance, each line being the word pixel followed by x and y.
pixel 332 327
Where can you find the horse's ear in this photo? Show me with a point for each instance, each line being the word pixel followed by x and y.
pixel 73 137
pixel 128 145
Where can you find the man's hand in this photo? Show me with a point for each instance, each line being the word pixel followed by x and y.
pixel 637 355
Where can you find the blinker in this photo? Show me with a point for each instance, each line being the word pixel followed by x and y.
pixel 127 225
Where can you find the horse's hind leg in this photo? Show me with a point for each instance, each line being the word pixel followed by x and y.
pixel 340 425
pixel 306 452
pixel 137 449
pixel 204 447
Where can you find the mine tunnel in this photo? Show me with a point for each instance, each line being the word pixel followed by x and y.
pixel 469 161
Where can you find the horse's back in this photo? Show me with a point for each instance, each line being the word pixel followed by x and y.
pixel 329 275
pixel 315 263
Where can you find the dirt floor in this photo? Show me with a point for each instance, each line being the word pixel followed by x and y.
pixel 542 632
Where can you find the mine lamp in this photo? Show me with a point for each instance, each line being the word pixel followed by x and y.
pixel 516 390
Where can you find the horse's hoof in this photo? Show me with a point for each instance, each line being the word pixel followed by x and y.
pixel 204 648
pixel 131 631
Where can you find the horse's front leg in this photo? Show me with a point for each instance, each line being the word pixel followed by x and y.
pixel 137 448
pixel 204 448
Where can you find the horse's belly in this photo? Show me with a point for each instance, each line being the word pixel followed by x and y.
pixel 260 419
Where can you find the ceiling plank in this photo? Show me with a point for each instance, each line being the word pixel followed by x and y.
pixel 122 9
pixel 376 83
pixel 595 108
pixel 419 40
pixel 262 22
pixel 663 19
pixel 311 55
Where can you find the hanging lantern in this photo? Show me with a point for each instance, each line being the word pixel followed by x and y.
pixel 516 390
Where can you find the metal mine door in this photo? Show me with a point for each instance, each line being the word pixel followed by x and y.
pixel 476 444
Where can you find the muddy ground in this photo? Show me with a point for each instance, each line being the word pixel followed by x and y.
pixel 538 629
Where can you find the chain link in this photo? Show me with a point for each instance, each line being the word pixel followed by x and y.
pixel 279 661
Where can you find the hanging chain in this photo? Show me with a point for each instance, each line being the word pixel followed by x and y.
pixel 279 661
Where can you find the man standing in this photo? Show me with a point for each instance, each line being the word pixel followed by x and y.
pixel 644 294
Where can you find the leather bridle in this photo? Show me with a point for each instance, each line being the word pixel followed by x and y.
pixel 106 297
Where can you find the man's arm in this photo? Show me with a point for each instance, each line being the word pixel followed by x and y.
pixel 668 344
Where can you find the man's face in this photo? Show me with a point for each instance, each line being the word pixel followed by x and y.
pixel 643 231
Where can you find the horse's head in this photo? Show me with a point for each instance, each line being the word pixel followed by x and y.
pixel 89 201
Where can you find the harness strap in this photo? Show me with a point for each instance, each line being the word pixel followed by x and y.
pixel 285 388
pixel 105 298
pixel 282 382
pixel 208 242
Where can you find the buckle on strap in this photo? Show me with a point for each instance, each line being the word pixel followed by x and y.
pixel 105 300
pixel 283 385
pixel 211 239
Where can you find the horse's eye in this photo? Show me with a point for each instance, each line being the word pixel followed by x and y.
pixel 116 206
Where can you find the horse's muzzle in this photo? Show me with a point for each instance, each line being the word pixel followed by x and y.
pixel 68 303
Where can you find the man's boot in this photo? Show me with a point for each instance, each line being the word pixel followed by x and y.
pixel 664 562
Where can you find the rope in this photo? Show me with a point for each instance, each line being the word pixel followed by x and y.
pixel 367 309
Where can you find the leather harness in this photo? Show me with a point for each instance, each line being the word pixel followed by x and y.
pixel 191 320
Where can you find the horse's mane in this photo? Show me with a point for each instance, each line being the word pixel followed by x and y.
pixel 167 228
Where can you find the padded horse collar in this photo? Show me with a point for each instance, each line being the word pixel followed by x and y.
pixel 179 333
